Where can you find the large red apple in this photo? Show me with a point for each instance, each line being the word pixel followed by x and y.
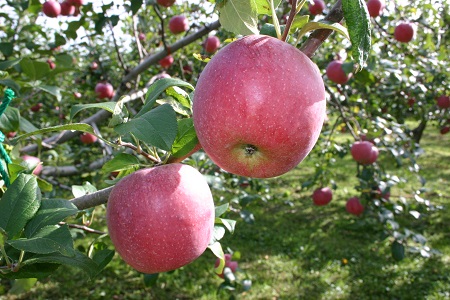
pixel 34 163
pixel 404 32
pixel 364 152
pixel 104 90
pixel 259 115
pixel 375 7
pixel 67 9
pixel 165 3
pixel 212 43
pixel 161 218
pixel 178 24
pixel 317 8
pixel 88 138
pixel 51 8
pixel 354 206
pixel 166 61
pixel 443 102
pixel 322 196
pixel 336 73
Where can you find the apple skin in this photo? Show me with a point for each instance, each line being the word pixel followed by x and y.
pixel 375 7
pixel 37 107
pixel 336 73
pixel 354 206
pixel 166 3
pixel 162 218
pixel 322 196
pixel 104 90
pixel 212 43
pixel 33 162
pixel 317 8
pixel 67 9
pixel 404 32
pixel 178 24
pixel 443 102
pixel 166 61
pixel 445 130
pixel 251 116
pixel 88 138
pixel 51 8
pixel 364 152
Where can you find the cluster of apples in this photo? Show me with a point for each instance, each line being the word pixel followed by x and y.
pixel 53 9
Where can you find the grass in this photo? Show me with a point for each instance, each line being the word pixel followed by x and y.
pixel 297 251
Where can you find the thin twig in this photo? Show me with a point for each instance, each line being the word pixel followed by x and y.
pixel 82 227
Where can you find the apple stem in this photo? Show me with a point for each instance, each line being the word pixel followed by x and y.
pixel 294 11
pixel 139 150
pixel 275 19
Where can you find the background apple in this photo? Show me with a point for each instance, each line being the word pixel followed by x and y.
pixel 336 73
pixel 11 134
pixel 51 64
pixel 364 152
pixel 141 36
pixel 212 43
pixel 354 206
pixel 375 7
pixel 251 116
pixel 104 90
pixel 161 218
pixel 33 162
pixel 76 3
pixel 51 8
pixel 166 61
pixel 77 95
pixel 317 8
pixel 67 9
pixel 94 65
pixel 88 138
pixel 443 101
pixel 411 102
pixel 165 3
pixel 404 32
pixel 178 24
pixel 322 196
pixel 445 130
pixel 37 107
pixel 233 265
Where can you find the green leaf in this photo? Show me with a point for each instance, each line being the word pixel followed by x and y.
pixel 180 95
pixel 157 89
pixel 122 161
pixel 119 113
pixel 81 190
pixel 108 106
pixel 22 285
pixel 35 70
pixel 398 251
pixel 216 248
pixel 150 279
pixel 220 210
pixel 52 90
pixel 10 83
pixel 310 26
pixel 239 16
pixel 186 138
pixel 19 204
pixel 157 127
pixel 269 29
pixel 6 48
pixel 59 40
pixel 358 23
pixel 229 224
pixel 26 125
pixel 51 212
pixel 64 60
pixel 102 258
pixel 48 240
pixel 263 6
pixel 32 271
pixel 9 63
pixel 76 126
pixel 9 121
pixel 135 5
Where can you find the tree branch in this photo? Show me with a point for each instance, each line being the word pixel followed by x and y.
pixel 93 199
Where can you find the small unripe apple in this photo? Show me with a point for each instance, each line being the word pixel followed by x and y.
pixel 212 43
pixel 354 206
pixel 51 8
pixel 33 162
pixel 104 90
pixel 322 196
pixel 443 102
pixel 445 129
pixel 161 218
pixel 166 61
pixel 51 64
pixel 165 3
pixel 364 152
pixel 141 36
pixel 404 32
pixel 87 138
pixel 251 116
pixel 317 8
pixel 67 9
pixel 375 7
pixel 37 107
pixel 178 24
pixel 336 73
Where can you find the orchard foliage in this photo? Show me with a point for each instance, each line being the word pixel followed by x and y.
pixel 103 70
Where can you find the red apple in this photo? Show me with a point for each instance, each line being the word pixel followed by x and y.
pixel 375 7
pixel 336 73
pixel 77 95
pixel 37 107
pixel 67 9
pixel 212 43
pixel 87 138
pixel 317 8
pixel 178 24
pixel 445 129
pixel 251 116
pixel 161 218
pixel 322 196
pixel 51 64
pixel 165 3
pixel 51 8
pixel 104 90
pixel 354 206
pixel 166 61
pixel 404 32
pixel 76 3
pixel 34 163
pixel 141 36
pixel 94 65
pixel 443 101
pixel 11 134
pixel 411 102
pixel 187 69
pixel 233 265
pixel 364 152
